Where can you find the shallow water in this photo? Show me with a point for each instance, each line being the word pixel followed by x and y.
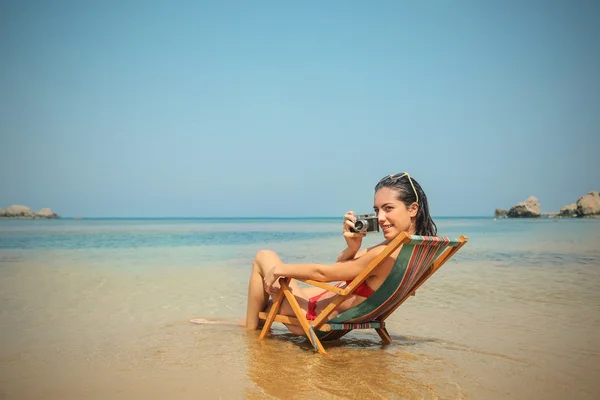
pixel 100 309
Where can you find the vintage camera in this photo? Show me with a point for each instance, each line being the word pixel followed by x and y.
pixel 366 223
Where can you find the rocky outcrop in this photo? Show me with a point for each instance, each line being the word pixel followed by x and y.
pixel 589 205
pixel 529 208
pixel 568 211
pixel 18 211
pixel 45 213
pixel 500 213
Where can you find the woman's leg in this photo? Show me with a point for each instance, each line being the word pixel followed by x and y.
pixel 257 297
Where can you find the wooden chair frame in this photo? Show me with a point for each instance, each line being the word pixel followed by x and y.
pixel 320 323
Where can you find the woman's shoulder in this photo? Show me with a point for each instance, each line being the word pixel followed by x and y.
pixel 376 249
pixel 373 250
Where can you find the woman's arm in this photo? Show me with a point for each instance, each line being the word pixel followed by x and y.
pixel 340 271
pixel 350 254
pixel 347 254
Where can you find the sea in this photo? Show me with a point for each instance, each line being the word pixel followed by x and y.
pixel 100 309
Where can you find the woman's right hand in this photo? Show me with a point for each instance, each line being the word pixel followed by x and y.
pixel 353 239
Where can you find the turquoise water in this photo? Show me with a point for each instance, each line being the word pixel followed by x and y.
pixel 145 233
pixel 526 242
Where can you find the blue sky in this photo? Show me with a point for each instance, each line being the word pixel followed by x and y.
pixel 147 108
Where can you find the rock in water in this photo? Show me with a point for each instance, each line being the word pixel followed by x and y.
pixel 589 205
pixel 529 208
pixel 19 211
pixel 568 211
pixel 46 213
pixel 500 213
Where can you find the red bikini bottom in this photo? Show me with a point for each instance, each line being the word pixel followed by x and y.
pixel 363 290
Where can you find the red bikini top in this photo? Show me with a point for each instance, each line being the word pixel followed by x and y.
pixel 363 289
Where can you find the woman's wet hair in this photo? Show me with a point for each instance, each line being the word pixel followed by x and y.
pixel 424 225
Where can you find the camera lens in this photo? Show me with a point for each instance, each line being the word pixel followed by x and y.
pixel 359 225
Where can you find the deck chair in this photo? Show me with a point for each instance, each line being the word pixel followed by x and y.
pixel 419 258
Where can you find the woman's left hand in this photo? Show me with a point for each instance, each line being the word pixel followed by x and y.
pixel 271 282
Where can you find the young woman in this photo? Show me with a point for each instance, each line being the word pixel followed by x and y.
pixel 400 205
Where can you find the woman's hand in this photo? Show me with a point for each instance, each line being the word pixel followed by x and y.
pixel 353 239
pixel 271 282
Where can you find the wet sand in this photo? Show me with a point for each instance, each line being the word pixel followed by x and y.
pixel 72 328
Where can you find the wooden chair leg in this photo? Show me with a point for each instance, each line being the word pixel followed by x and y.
pixel 308 330
pixel 384 335
pixel 271 316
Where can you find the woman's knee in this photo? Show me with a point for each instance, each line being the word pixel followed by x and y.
pixel 262 254
pixel 265 256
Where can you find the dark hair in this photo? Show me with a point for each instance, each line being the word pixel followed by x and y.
pixel 424 225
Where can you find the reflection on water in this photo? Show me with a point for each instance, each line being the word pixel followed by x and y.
pixel 287 368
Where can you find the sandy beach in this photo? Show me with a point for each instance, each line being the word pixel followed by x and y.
pixel 102 323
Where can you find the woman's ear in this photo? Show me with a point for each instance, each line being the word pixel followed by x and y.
pixel 413 209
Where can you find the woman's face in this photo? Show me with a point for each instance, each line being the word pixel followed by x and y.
pixel 393 216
